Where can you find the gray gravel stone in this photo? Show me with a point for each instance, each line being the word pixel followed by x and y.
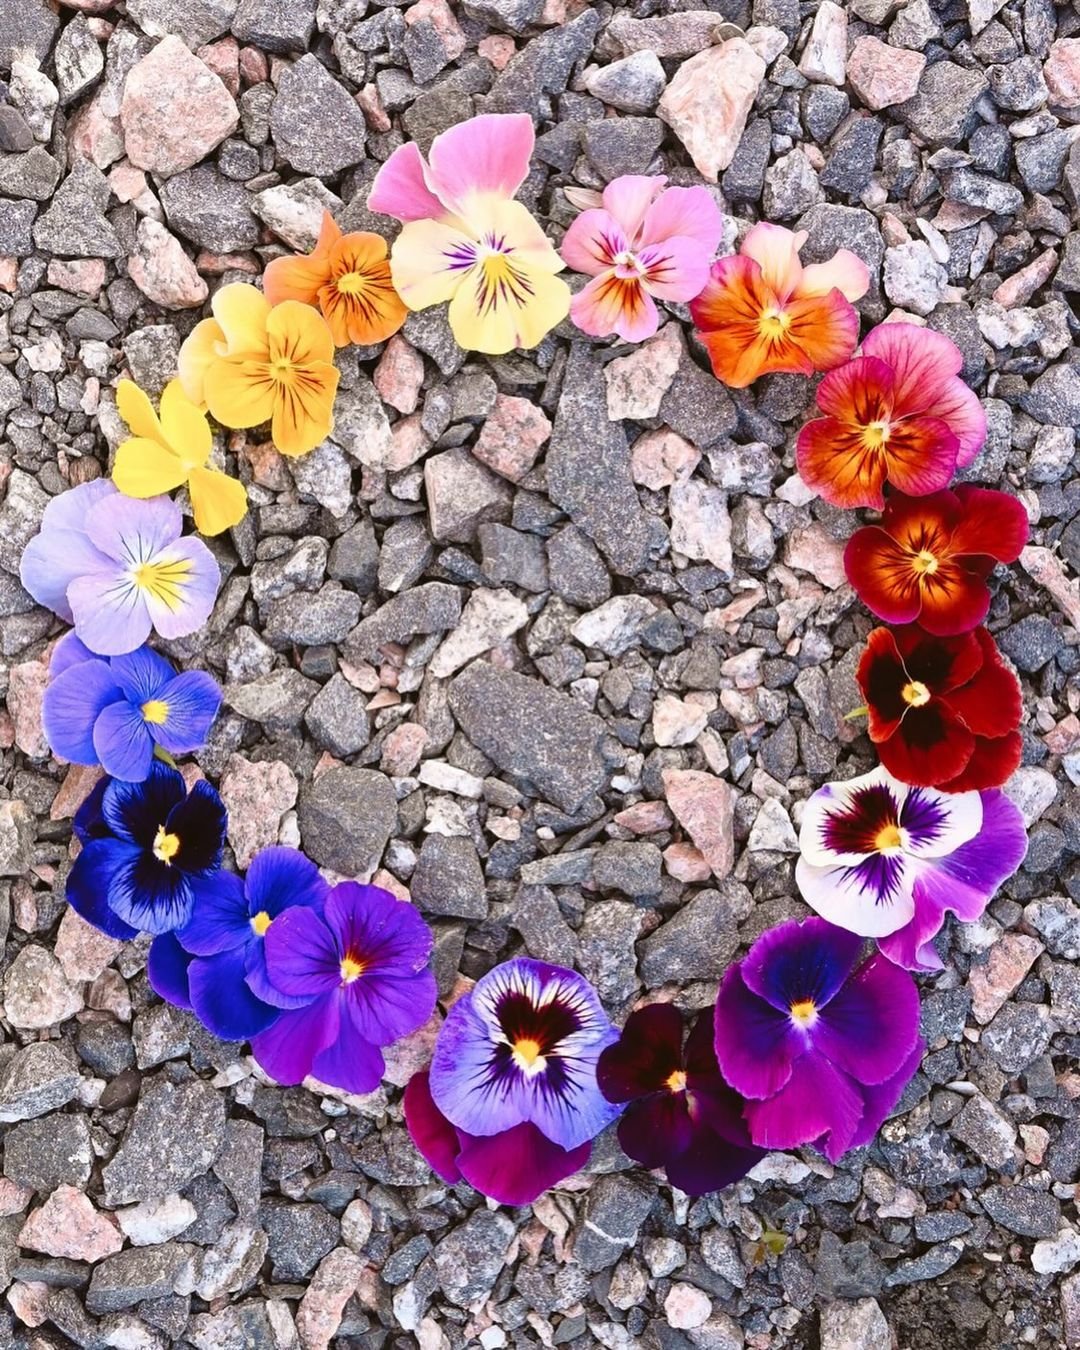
pixel 210 210
pixel 470 1258
pixel 337 718
pixel 25 25
pixel 615 1208
pixel 37 1079
pixel 275 25
pixel 300 1236
pixel 1023 1210
pixel 346 817
pixel 316 126
pixel 175 1135
pixel 431 608
pixel 47 1153
pixel 448 880
pixel 699 940
pixel 140 1273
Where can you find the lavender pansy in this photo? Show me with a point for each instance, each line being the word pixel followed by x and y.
pixel 887 861
pixel 360 969
pixel 216 963
pixel 147 848
pixel 116 711
pixel 117 568
pixel 681 1115
pixel 820 1043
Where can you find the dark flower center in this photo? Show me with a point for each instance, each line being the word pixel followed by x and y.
pixel 533 1034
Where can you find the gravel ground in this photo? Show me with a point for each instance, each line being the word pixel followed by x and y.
pixel 649 589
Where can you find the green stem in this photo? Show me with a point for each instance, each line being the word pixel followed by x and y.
pixel 856 712
pixel 164 755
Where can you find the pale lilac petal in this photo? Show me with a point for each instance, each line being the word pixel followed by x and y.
pixel 687 213
pixel 676 269
pixel 132 531
pixel 489 154
pixel 125 748
pixel 109 612
pixel 400 188
pixel 816 1100
pixel 68 652
pixel 844 272
pixel 462 1074
pixel 51 562
pixel 578 1111
pixel 72 704
pixel 868 900
pixel 287 1051
pixel 962 412
pixel 67 510
pixel 923 363
pixel 195 586
pixel 592 242
pixel 628 199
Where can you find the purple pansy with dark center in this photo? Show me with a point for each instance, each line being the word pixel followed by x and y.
pixel 681 1115
pixel 820 1044
pixel 118 568
pixel 147 848
pixel 114 711
pixel 360 966
pixel 216 963
pixel 887 861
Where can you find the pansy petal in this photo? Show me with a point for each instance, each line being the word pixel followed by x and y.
pixel 191 702
pixel 756 1045
pixel 302 957
pixel 89 885
pixel 141 673
pixel 109 612
pixel 993 761
pixel 990 523
pixel 611 304
pixel 870 898
pixel 359 302
pixel 279 878
pixel 219 916
pixel 872 1024
pixel 676 269
pixel 89 822
pixel 688 213
pixel 149 896
pixel 592 242
pixel 883 576
pixel 68 652
pixel 133 812
pixel 287 1049
pixel 298 334
pixel 795 962
pixel 204 345
pixel 68 510
pixel 921 455
pixel 198 820
pixel 435 1138
pixel 991 703
pixel 817 1100
pixel 776 251
pixel 656 1128
pixel 146 469
pixel 844 272
pixel 842 821
pixel 51 562
pixel 296 278
pixel 710 1163
pixel 936 824
pixel 167 970
pixel 239 391
pixel 922 361
pixel 516 309
pixel 386 934
pixel 517 1166
pixel 482 156
pixel 180 593
pixel 185 426
pixel 138 412
pixel 348 1062
pixel 242 312
pixel 627 199
pixel 382 1009
pixel 218 502
pixel 305 418
pixel 728 314
pixel 646 1054
pixel 961 409
pixel 258 980
pixel 880 1100
pixel 222 1000
pixel 123 742
pixel 132 532
pixel 400 188
pixel 72 703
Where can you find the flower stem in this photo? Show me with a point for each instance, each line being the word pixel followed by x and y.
pixel 164 755
pixel 856 712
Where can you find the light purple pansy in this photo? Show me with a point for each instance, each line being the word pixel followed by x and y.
pixel 821 1045
pixel 888 861
pixel 117 568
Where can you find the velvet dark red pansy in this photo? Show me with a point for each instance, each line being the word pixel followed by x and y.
pixel 944 712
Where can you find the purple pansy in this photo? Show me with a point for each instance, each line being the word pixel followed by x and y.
pixel 216 963
pixel 887 861
pixel 821 1045
pixel 361 969
pixel 118 568
pixel 114 711
pixel 681 1115
pixel 147 848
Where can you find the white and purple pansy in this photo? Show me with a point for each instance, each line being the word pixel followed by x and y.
pixel 888 861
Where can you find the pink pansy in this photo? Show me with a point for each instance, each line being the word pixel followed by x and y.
pixel 644 241
pixel 465 240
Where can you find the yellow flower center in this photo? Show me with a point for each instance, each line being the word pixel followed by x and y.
pixel 676 1082
pixel 166 846
pixel 155 712
pixel 774 323
pixel 163 581
pixel 351 968
pixel 915 694
pixel 628 266
pixel 804 1012
pixel 528 1054
pixel 352 283
pixel 261 922
pixel 875 435
pixel 500 282
pixel 282 371
pixel 888 838
pixel 924 563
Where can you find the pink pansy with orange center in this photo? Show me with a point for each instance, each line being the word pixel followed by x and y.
pixel 899 413
pixel 763 312
pixel 465 240
pixel 645 241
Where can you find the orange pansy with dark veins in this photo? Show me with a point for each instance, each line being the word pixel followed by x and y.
pixel 928 560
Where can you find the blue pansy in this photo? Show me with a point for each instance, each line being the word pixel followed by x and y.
pixel 114 711
pixel 147 849
pixel 216 963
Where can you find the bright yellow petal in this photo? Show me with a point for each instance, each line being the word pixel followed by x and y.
pixel 505 303
pixel 242 311
pixel 304 412
pixel 428 261
pixel 146 468
pixel 186 429
pixel 137 411
pixel 240 392
pixel 218 501
pixel 298 334
pixel 205 343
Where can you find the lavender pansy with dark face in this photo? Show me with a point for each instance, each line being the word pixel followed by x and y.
pixel 887 861
pixel 821 1044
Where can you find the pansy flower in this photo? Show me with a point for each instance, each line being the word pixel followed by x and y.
pixel 216 963
pixel 147 847
pixel 888 861
pixel 928 560
pixel 347 277
pixel 899 413
pixel 465 240
pixel 763 312
pixel 118 569
pixel 251 364
pixel 645 242
pixel 680 1114
pixel 821 1044
pixel 358 968
pixel 170 451
pixel 512 1102
pixel 118 711
pixel 943 712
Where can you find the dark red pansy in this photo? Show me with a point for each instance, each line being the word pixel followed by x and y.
pixel 943 711
pixel 681 1115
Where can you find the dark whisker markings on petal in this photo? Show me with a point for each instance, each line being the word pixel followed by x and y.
pixel 857 827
